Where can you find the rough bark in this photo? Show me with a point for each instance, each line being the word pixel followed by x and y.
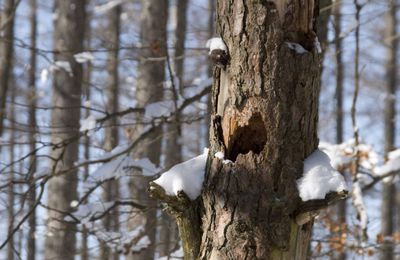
pixel 149 89
pixel 62 188
pixel 265 120
pixel 111 189
pixel 6 54
pixel 32 124
pixel 265 112
pixel 388 190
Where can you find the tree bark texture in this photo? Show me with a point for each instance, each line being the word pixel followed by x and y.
pixel 62 188
pixel 149 89
pixel 265 112
pixel 389 190
pixel 6 54
pixel 111 189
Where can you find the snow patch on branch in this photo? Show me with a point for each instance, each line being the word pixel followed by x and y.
pixel 391 165
pixel 83 57
pixel 62 65
pixel 187 177
pixel 358 203
pixel 216 43
pixel 221 156
pixel 123 166
pixel 104 8
pixel 319 177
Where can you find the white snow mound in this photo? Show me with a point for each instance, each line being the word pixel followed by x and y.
pixel 319 177
pixel 187 177
pixel 216 43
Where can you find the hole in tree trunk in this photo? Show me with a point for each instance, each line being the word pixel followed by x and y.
pixel 250 137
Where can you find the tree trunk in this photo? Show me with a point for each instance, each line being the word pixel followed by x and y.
pixel 86 91
pixel 11 191
pixel 265 113
pixel 32 124
pixel 323 19
pixel 388 190
pixel 6 54
pixel 111 189
pixel 149 89
pixel 62 188
pixel 341 207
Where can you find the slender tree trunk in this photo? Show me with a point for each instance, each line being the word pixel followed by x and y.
pixel 341 207
pixel 32 125
pixel 87 74
pixel 111 189
pixel 62 188
pixel 11 195
pixel 323 19
pixel 6 54
pixel 149 89
pixel 211 31
pixel 389 190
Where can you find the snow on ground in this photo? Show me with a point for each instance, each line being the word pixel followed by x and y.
pixel 187 177
pixel 319 177
pixel 296 47
pixel 216 43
